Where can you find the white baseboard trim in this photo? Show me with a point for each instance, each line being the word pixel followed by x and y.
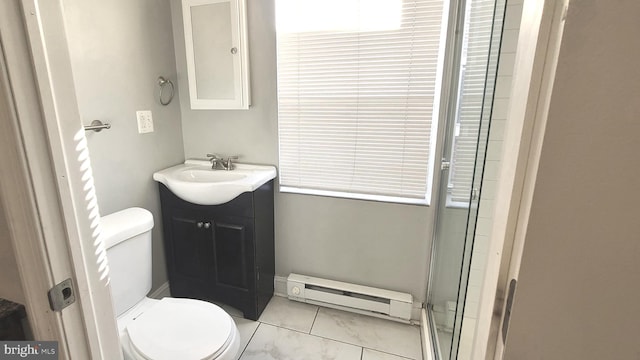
pixel 280 286
pixel 161 292
pixel 425 332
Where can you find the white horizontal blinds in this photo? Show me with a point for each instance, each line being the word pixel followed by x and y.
pixel 356 87
pixel 477 37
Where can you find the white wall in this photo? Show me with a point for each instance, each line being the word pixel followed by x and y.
pixel 370 243
pixel 577 293
pixel 118 49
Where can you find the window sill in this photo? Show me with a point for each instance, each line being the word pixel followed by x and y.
pixel 354 196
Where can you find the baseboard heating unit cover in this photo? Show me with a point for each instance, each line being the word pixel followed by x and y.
pixel 357 298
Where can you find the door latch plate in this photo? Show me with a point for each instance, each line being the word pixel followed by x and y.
pixel 62 295
pixel 507 311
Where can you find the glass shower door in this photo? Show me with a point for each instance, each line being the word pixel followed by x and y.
pixel 460 191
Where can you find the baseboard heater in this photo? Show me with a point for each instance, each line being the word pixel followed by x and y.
pixel 351 297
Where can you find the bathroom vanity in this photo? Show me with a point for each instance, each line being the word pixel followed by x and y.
pixel 222 252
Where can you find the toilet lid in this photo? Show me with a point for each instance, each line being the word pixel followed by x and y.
pixel 181 329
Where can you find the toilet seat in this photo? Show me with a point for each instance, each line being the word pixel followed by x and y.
pixel 181 329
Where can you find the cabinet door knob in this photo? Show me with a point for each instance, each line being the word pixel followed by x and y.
pixel 199 224
pixel 207 225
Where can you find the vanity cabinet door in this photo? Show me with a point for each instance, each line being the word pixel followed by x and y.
pixel 190 254
pixel 233 250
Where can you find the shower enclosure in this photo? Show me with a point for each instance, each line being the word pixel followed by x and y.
pixel 460 234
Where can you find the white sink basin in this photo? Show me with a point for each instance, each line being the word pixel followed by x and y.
pixel 195 181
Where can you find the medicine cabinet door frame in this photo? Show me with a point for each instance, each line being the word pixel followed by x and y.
pixel 235 54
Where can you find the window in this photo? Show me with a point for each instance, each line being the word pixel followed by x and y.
pixel 358 94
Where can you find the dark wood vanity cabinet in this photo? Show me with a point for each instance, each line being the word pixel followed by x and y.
pixel 222 252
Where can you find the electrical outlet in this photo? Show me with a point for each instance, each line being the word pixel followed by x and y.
pixel 145 121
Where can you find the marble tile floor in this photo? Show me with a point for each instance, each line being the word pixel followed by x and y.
pixel 290 330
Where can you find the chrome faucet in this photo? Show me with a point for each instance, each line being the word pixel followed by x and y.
pixel 220 163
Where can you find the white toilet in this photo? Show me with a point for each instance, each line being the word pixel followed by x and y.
pixel 170 328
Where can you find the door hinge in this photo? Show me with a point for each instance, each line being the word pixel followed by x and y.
pixel 507 310
pixel 62 295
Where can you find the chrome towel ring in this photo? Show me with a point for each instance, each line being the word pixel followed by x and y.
pixel 162 82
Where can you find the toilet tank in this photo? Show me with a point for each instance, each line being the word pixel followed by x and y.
pixel 127 238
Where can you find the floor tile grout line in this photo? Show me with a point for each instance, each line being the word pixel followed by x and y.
pixel 290 328
pixel 316 336
pixel 388 353
pixel 314 319
pixel 250 338
pixel 362 346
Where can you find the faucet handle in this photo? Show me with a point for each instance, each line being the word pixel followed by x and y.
pixel 215 160
pixel 229 163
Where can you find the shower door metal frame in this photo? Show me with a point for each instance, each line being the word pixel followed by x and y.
pixel 448 102
pixel 450 85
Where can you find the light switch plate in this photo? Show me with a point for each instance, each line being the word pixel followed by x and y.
pixel 145 121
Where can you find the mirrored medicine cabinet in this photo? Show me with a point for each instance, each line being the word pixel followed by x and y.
pixel 217 55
